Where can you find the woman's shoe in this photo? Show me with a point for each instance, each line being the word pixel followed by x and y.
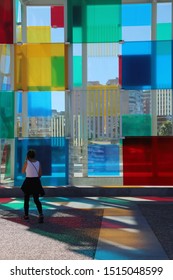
pixel 41 219
pixel 26 217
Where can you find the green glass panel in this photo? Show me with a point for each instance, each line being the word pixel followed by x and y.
pixel 58 71
pixel 6 114
pixel 39 88
pixel 164 31
pixel 94 21
pixel 136 125
pixel 77 71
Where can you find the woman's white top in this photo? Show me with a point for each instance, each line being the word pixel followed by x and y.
pixel 32 171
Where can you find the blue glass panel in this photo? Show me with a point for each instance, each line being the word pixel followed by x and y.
pixel 19 102
pixel 164 64
pixel 103 160
pixel 136 72
pixel 52 154
pixel 142 65
pixel 137 14
pixel 39 104
pixel 137 48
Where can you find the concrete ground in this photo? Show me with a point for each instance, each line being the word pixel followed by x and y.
pixel 88 228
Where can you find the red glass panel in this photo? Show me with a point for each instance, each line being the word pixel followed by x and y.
pixel 148 161
pixel 6 21
pixel 57 16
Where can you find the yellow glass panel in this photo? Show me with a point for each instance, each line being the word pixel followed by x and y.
pixel 38 34
pixel 3 49
pixel 20 62
pixel 38 50
pixel 39 70
pixel 34 66
pixel 99 96
pixel 57 49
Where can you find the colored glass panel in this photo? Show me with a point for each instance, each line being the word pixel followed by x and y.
pixel 58 78
pixel 142 65
pixel 136 72
pixel 57 16
pixel 40 67
pixel 38 34
pixel 103 160
pixel 39 104
pixel 163 65
pixel 103 101
pixel 136 14
pixel 120 69
pixel 136 125
pixel 6 114
pixel 164 31
pixel 88 22
pixel 52 154
pixel 6 21
pixel 148 161
pixel 77 71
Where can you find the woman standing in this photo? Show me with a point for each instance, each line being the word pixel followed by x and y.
pixel 32 184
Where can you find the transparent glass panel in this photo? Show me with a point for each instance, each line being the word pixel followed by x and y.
pixel 5 162
pixel 102 64
pixel 164 12
pixel 5 67
pixel 38 16
pixel 136 33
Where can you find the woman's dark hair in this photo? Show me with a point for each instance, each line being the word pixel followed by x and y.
pixel 31 154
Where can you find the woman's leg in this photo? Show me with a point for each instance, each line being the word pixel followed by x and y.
pixel 39 207
pixel 26 204
pixel 38 203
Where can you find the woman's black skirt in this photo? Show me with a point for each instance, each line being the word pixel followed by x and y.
pixel 32 185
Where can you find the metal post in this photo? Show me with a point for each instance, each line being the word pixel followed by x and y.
pixel 154 92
